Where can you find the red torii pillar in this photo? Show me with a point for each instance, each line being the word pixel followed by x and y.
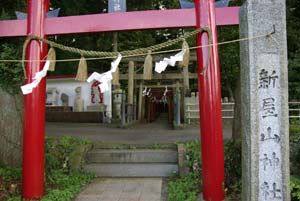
pixel 34 106
pixel 210 104
pixel 209 85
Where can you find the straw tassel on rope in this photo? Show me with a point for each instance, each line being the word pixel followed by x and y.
pixel 148 67
pixel 52 58
pixel 101 54
pixel 186 57
pixel 82 70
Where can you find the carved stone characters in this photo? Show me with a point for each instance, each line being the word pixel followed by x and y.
pixel 78 102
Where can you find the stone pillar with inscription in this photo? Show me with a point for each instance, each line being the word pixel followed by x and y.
pixel 264 95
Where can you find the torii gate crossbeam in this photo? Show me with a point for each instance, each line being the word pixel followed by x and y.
pixel 154 19
pixel 204 14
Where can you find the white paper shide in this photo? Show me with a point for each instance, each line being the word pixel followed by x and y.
pixel 162 65
pixel 105 78
pixel 27 89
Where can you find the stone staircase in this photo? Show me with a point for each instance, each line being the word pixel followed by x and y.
pixel 133 160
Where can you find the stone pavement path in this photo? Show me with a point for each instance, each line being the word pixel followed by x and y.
pixel 151 133
pixel 122 189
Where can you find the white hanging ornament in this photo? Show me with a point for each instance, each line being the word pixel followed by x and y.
pixel 148 67
pixel 186 56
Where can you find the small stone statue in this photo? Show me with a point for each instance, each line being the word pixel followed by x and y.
pixel 52 96
pixel 117 102
pixel 64 99
pixel 78 102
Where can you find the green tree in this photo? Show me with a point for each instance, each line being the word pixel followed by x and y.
pixel 11 101
pixel 293 37
pixel 104 41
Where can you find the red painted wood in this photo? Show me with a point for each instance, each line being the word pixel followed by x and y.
pixel 34 107
pixel 10 28
pixel 154 19
pixel 210 105
pixel 60 77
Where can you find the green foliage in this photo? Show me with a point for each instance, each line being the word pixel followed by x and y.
pixel 11 74
pixel 294 71
pixel 8 8
pixel 294 121
pixel 293 26
pixel 9 182
pixel 188 187
pixel 233 158
pixel 229 59
pixel 295 149
pixel 229 56
pixel 67 185
pixel 62 186
pixel 234 191
pixel 295 188
pixel 233 169
pixel 294 131
pixel 10 174
pixel 185 188
pixel 59 150
pixel 193 156
pixel 62 182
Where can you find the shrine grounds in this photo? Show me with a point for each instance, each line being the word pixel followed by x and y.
pixel 65 177
pixel 157 132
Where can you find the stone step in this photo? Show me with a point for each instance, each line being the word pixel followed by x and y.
pixel 107 145
pixel 132 156
pixel 132 170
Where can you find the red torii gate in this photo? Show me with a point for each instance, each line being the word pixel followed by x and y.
pixel 204 14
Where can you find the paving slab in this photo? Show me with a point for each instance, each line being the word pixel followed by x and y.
pixel 132 169
pixel 122 189
pixel 156 132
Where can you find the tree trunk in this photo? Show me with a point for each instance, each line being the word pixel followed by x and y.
pixel 227 84
pixel 236 128
pixel 11 128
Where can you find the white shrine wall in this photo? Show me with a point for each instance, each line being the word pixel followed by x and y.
pixel 68 85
